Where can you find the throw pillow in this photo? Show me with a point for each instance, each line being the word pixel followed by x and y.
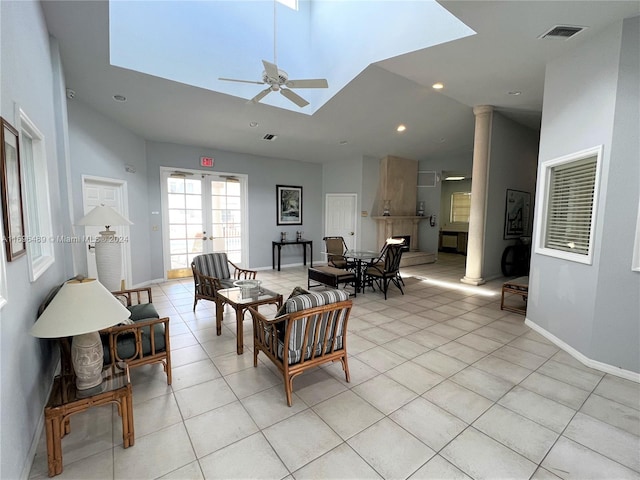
pixel 294 293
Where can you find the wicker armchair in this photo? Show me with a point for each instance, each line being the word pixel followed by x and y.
pixel 144 342
pixel 211 273
pixel 311 333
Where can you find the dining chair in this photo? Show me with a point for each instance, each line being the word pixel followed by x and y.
pixel 387 271
pixel 336 248
pixel 390 241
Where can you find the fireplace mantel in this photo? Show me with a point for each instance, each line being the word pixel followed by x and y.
pixel 391 225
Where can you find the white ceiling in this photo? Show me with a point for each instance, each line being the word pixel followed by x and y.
pixel 505 55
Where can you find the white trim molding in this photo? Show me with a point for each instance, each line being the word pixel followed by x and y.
pixel 586 361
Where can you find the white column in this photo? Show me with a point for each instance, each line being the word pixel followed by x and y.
pixel 480 175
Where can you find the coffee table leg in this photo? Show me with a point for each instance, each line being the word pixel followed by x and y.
pixel 128 437
pixel 54 446
pixel 239 332
pixel 219 308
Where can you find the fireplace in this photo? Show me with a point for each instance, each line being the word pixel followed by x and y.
pixel 407 241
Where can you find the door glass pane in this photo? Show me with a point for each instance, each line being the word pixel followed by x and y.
pixel 185 220
pixel 226 217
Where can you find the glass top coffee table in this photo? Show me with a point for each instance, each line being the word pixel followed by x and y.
pixel 240 300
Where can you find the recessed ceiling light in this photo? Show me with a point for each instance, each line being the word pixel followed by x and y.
pixel 120 98
pixel 515 92
pixel 438 86
pixel 253 124
pixel 401 128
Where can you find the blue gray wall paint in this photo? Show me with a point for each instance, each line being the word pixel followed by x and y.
pixel 26 363
pixel 595 308
pixel 100 147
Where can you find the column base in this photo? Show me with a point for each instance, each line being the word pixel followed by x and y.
pixel 472 281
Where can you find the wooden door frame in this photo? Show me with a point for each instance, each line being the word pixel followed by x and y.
pixel 121 186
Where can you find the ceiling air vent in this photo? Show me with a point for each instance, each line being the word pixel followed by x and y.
pixel 270 137
pixel 562 31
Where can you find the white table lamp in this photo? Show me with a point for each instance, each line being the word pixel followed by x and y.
pixel 80 309
pixel 108 249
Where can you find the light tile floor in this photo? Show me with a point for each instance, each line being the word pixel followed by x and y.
pixel 443 385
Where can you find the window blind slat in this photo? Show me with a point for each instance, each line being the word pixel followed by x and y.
pixel 570 206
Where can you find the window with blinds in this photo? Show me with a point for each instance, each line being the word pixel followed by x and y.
pixel 460 207
pixel 570 205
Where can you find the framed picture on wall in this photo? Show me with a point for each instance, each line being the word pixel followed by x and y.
pixel 12 211
pixel 289 205
pixel 516 216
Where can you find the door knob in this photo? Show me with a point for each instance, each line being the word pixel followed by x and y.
pixel 351 233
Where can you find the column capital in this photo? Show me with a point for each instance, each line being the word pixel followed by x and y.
pixel 482 109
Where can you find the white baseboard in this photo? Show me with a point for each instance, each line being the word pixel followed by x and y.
pixel 603 367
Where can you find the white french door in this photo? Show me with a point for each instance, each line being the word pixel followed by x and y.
pixel 202 213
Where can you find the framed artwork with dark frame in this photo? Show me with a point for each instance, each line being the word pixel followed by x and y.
pixel 12 210
pixel 516 215
pixel 289 205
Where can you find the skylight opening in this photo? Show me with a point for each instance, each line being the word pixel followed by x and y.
pixel 240 35
pixel 292 4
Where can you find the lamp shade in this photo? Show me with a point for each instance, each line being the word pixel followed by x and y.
pixel 81 306
pixel 103 215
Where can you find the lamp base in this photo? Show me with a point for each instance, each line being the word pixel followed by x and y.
pixel 86 356
pixel 109 260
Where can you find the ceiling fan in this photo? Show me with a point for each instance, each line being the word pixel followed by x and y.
pixel 278 80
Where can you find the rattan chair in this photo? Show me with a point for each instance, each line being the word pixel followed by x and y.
pixel 211 273
pixel 312 332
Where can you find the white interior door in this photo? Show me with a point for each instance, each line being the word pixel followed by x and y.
pixel 113 193
pixel 340 217
pixel 202 213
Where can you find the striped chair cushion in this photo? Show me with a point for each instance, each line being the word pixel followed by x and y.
pixel 213 265
pixel 303 302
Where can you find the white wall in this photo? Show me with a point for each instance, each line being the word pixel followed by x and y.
pixel 591 98
pixel 27 364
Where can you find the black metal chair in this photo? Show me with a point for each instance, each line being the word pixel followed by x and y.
pixel 384 272
pixel 336 248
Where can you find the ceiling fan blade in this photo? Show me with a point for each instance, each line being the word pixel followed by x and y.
pixel 260 95
pixel 271 69
pixel 241 81
pixel 294 97
pixel 308 83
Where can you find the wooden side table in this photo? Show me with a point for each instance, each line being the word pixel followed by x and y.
pixel 66 400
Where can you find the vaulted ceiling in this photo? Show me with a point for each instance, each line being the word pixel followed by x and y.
pixel 358 116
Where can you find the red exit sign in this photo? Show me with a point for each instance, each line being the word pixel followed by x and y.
pixel 206 161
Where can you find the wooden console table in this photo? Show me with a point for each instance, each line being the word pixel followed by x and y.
pixel 302 242
pixel 66 400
